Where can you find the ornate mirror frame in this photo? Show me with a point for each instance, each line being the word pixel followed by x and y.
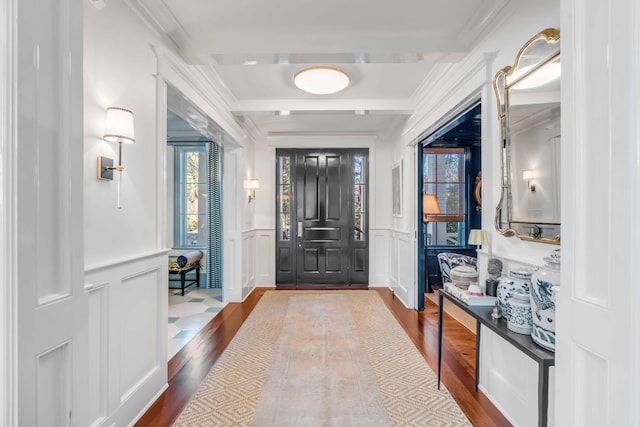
pixel 539 51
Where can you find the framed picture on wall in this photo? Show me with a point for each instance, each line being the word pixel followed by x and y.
pixel 396 189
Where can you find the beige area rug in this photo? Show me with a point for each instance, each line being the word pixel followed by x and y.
pixel 321 358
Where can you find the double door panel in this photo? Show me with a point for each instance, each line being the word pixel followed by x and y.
pixel 321 248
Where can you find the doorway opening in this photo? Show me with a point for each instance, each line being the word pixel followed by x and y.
pixel 322 218
pixel 449 179
pixel 194 217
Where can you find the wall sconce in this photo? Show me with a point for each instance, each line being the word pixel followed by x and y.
pixel 118 128
pixel 253 186
pixel 528 176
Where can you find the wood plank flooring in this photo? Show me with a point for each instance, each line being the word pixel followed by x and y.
pixel 190 365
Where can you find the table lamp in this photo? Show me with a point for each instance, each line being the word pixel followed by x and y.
pixel 429 207
pixel 478 238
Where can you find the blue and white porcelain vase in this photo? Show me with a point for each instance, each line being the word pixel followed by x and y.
pixel 519 279
pixel 544 283
pixel 520 313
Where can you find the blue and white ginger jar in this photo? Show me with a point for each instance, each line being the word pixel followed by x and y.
pixel 519 279
pixel 544 284
pixel 520 313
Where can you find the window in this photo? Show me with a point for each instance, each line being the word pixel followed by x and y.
pixel 191 213
pixel 444 176
pixel 359 194
pixel 284 208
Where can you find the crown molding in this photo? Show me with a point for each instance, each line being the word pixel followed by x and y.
pixel 204 88
pixel 436 96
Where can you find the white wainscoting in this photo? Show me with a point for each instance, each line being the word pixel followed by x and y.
pixel 258 259
pixel 379 260
pixel 127 329
pixel 401 266
pixel 248 262
pixel 265 261
pixel 233 269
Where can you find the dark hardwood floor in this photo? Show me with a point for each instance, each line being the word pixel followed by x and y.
pixel 191 364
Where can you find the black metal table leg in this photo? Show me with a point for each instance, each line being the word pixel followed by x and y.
pixel 477 353
pixel 440 302
pixel 543 393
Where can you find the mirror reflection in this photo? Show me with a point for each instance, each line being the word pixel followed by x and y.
pixel 528 95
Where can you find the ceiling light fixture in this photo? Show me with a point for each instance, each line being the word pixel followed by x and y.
pixel 321 80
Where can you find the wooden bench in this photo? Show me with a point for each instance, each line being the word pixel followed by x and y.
pixel 182 265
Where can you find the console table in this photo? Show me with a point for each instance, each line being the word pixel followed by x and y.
pixel 524 343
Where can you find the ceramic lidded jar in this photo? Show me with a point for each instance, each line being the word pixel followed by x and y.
pixel 544 283
pixel 464 275
pixel 519 278
pixel 520 313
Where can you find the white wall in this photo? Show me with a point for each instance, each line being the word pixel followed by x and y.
pixel 507 377
pixel 127 65
pixel 119 69
pixel 125 265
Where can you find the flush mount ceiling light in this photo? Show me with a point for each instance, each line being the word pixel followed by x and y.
pixel 321 80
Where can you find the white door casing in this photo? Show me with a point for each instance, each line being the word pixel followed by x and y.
pixel 597 335
pixel 8 287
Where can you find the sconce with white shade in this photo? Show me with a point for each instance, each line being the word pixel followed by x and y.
pixel 119 129
pixel 528 176
pixel 253 185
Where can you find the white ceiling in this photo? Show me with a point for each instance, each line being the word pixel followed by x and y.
pixel 387 47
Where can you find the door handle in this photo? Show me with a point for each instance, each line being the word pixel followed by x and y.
pixel 299 228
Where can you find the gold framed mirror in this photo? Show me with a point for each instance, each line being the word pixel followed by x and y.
pixel 528 100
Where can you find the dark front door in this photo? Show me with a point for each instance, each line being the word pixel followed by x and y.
pixel 326 203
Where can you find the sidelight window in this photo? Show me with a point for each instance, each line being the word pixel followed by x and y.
pixel 284 199
pixel 359 197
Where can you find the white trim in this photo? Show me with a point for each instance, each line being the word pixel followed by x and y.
pixel 8 204
pixel 127 260
pixel 204 91
pixel 429 96
pixel 634 138
pixel 161 164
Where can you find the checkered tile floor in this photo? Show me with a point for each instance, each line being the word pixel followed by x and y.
pixel 189 313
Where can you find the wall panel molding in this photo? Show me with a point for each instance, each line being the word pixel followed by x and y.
pixel 265 259
pixel 400 271
pixel 127 324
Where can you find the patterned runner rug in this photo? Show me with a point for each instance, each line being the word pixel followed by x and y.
pixel 321 358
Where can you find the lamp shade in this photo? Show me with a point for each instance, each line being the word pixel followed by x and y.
pixel 321 80
pixel 528 174
pixel 478 237
pixel 429 205
pixel 254 184
pixel 119 126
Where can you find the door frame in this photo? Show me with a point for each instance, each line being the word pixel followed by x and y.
pixel 8 220
pixel 292 246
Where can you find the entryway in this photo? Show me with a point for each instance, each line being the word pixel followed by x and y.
pixel 322 217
